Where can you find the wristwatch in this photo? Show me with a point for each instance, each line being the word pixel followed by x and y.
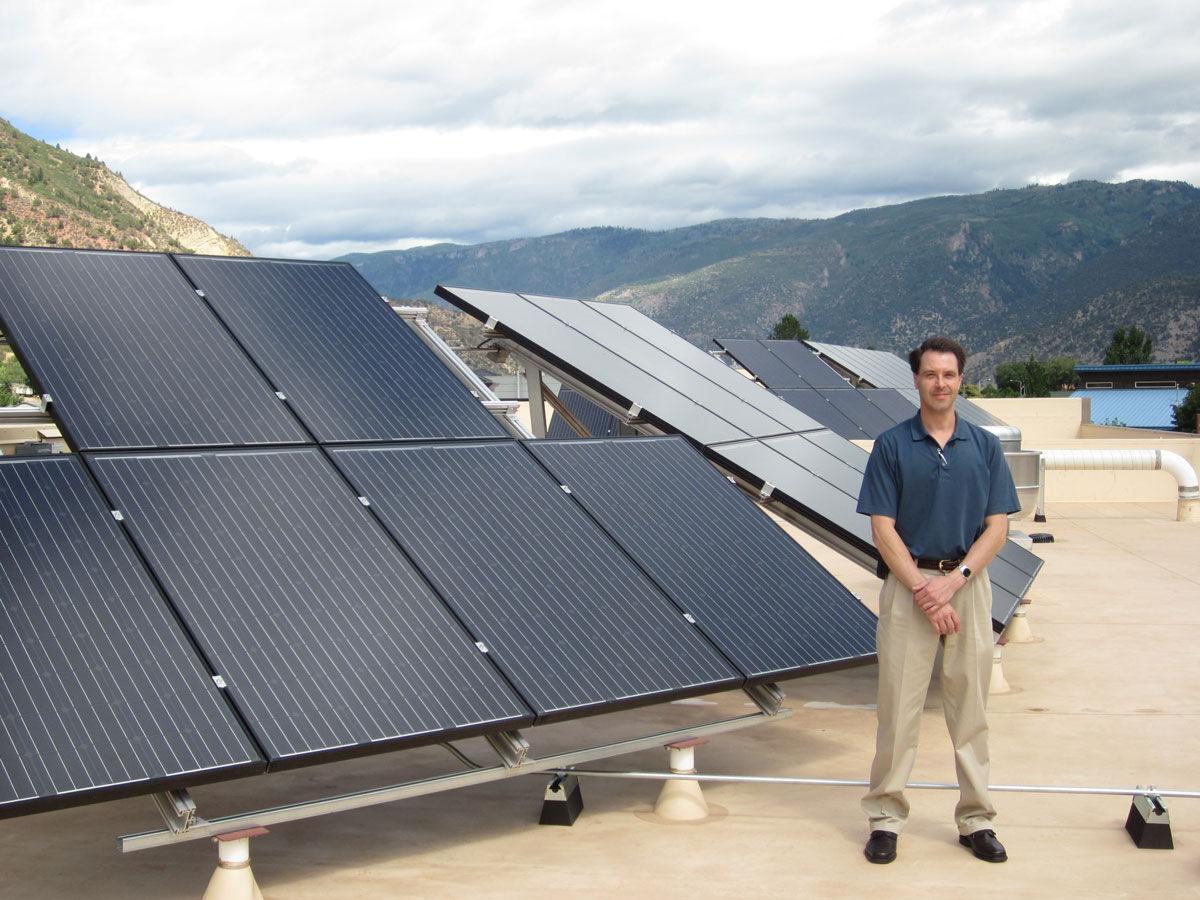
pixel 966 573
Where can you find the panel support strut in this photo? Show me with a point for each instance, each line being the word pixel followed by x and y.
pixel 372 797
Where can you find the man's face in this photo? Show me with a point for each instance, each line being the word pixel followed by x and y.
pixel 938 380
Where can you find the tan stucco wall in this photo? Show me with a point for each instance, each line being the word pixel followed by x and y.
pixel 1054 423
pixel 1039 418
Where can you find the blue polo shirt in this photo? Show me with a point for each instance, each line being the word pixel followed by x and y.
pixel 939 500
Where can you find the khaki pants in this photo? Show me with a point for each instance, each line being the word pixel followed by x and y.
pixel 907 644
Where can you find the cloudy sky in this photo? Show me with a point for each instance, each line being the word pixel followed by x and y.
pixel 313 129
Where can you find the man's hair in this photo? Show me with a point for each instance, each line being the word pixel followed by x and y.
pixel 939 344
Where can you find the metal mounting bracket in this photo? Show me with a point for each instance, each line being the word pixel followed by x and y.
pixel 767 697
pixel 510 746
pixel 177 808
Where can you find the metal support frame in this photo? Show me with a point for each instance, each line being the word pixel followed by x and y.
pixel 1139 791
pixel 625 416
pixel 767 697
pixel 537 402
pixel 560 409
pixel 205 828
pixel 504 410
pixel 177 809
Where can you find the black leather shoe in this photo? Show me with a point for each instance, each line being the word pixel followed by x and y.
pixel 984 845
pixel 881 848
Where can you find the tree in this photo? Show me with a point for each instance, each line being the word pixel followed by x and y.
pixel 1128 346
pixel 1185 413
pixel 789 329
pixel 1035 377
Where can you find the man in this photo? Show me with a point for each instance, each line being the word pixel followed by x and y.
pixel 938 492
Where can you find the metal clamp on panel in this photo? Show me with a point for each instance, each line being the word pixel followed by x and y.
pixel 177 808
pixel 766 490
pixel 510 746
pixel 767 697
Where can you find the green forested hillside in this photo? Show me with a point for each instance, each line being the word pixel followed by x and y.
pixel 986 267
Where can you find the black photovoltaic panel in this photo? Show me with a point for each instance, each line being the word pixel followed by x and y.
pixel 564 613
pixel 131 356
pixel 599 424
pixel 329 641
pixel 855 407
pixel 894 404
pixel 349 366
pixel 806 364
pixel 763 364
pixel 101 694
pixel 813 403
pixel 770 607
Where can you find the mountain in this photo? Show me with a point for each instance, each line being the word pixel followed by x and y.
pixel 988 268
pixel 50 197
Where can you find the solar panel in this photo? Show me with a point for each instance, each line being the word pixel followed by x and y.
pixel 598 422
pixel 131 356
pixel 763 364
pixel 893 404
pixel 101 694
pixel 623 381
pixel 806 364
pixel 328 640
pixel 854 406
pixel 349 366
pixel 564 613
pixel 725 392
pixel 878 368
pixel 665 355
pixel 815 404
pixel 815 484
pixel 770 607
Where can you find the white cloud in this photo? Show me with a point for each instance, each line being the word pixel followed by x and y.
pixel 310 128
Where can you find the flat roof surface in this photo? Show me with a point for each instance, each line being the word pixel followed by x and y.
pixel 1108 695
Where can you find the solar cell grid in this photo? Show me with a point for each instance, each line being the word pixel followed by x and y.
pixel 131 356
pixel 806 364
pixel 349 366
pixel 895 405
pixel 815 404
pixel 330 642
pixel 763 365
pixel 770 607
pixel 598 423
pixel 871 420
pixel 101 693
pixel 721 389
pixel 567 616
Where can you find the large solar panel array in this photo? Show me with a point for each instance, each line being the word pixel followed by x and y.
pixel 278 543
pixel 676 387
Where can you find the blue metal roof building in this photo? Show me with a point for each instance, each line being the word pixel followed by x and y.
pixel 1134 407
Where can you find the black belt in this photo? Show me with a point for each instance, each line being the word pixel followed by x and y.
pixel 940 565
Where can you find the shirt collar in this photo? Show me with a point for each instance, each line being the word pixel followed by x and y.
pixel 917 428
